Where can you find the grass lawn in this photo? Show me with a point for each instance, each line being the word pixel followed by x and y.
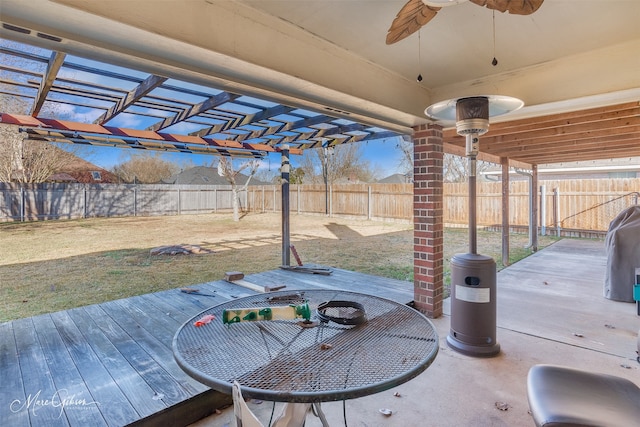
pixel 56 265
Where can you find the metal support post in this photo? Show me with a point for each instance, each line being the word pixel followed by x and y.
pixel 472 152
pixel 284 174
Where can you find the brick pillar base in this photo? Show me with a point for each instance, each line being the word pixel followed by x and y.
pixel 427 220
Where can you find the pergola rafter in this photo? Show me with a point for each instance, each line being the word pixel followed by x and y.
pixel 53 66
pixel 132 97
pixel 196 109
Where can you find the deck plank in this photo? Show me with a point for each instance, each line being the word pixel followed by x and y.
pixel 38 383
pixel 72 394
pixel 12 389
pixel 155 338
pixel 137 393
pixel 226 289
pixel 165 386
pixel 114 405
pixel 177 312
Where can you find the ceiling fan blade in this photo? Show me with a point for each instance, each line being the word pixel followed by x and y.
pixel 516 7
pixel 410 19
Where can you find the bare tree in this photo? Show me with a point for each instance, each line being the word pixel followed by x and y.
pixel 456 168
pixel 332 164
pixel 27 161
pixel 10 153
pixel 226 170
pixel 23 160
pixel 146 168
pixel 268 175
pixel 406 161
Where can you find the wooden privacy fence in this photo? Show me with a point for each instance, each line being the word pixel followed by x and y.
pixel 368 201
pixel 67 201
pixel 566 204
pixel 587 204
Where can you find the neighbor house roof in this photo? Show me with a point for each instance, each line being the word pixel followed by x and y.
pixel 83 171
pixel 204 175
pixel 396 178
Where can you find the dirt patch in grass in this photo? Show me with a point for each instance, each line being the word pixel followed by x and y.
pixel 57 265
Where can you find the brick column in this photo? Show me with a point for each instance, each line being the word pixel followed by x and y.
pixel 427 220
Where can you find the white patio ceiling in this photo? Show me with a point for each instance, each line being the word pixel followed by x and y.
pixel 331 56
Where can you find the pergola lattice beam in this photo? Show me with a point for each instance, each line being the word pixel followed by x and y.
pixel 196 109
pixel 131 98
pixel 53 66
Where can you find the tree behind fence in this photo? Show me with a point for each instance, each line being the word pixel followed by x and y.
pixel 570 204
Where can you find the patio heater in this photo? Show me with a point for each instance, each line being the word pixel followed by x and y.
pixel 473 276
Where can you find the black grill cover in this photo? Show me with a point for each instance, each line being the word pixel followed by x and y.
pixel 623 255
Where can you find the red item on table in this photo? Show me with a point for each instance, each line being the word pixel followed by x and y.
pixel 204 320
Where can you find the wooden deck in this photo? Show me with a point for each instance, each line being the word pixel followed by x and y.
pixel 111 363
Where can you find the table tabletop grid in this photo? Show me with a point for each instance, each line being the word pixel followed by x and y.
pixel 283 361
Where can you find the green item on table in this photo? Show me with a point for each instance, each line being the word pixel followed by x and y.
pixel 284 312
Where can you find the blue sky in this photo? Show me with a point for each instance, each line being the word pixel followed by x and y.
pixel 383 155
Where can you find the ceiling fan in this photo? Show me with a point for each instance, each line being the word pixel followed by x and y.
pixel 417 13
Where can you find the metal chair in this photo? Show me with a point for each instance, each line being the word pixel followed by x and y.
pixel 562 397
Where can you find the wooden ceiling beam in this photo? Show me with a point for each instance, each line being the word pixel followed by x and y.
pixel 570 126
pixel 484 156
pixel 80 93
pixel 581 155
pixel 253 120
pixel 609 141
pixel 550 141
pixel 629 109
pixel 461 151
pixel 603 135
pixel 570 148
pixel 631 145
pixel 266 114
pixel 559 126
pixel 613 125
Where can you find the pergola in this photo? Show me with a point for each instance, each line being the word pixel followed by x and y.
pixel 173 115
pixel 313 73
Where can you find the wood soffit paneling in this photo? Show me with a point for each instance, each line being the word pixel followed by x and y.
pixel 592 134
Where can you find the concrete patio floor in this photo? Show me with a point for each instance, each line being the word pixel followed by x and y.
pixel 550 310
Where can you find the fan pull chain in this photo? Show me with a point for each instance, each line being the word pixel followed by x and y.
pixel 419 78
pixel 495 61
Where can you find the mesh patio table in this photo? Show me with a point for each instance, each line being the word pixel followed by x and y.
pixel 297 361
